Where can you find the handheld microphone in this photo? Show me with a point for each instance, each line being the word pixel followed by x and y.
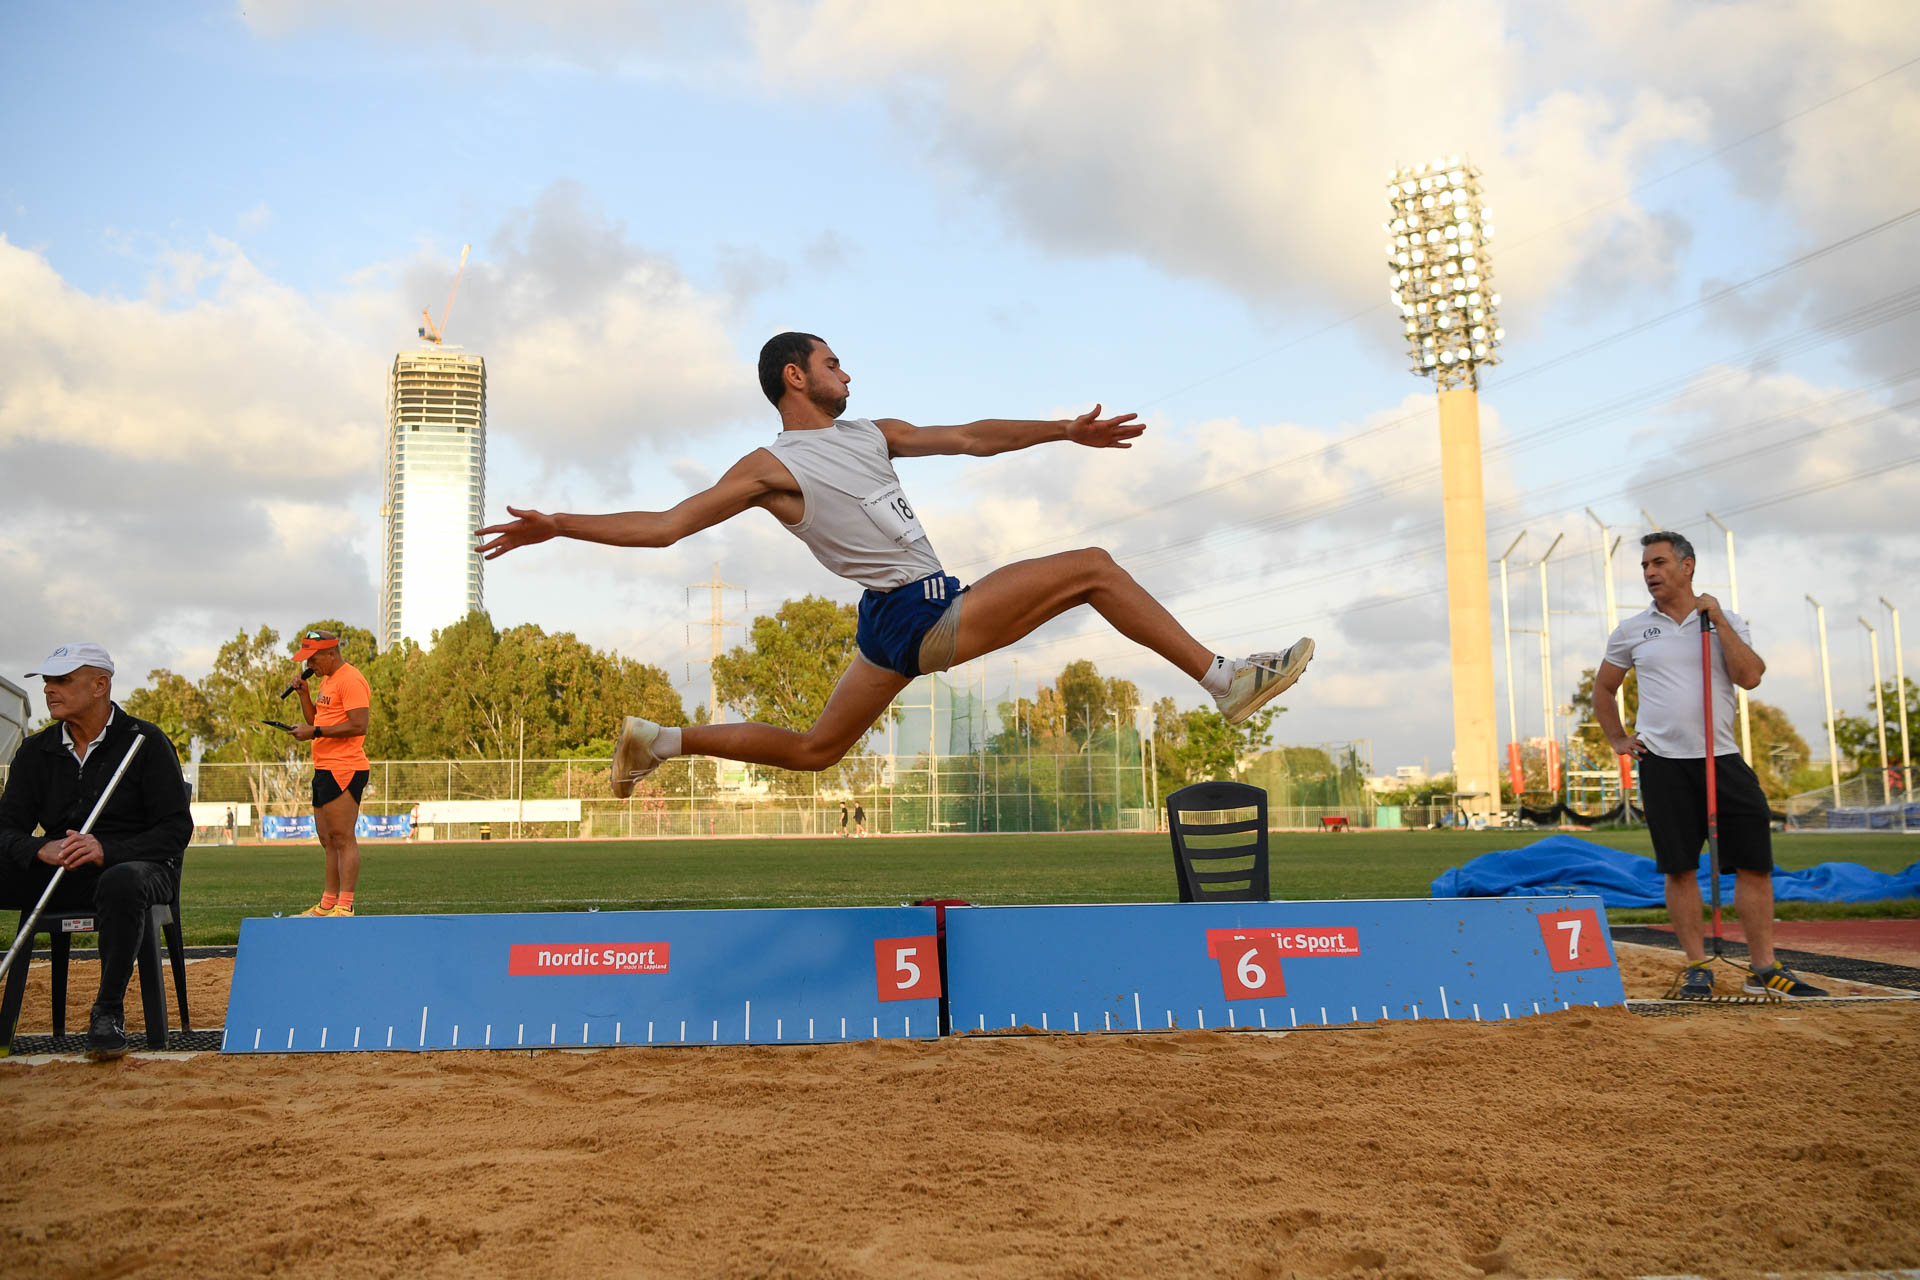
pixel 305 674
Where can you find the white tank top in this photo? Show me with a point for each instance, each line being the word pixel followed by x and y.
pixel 856 521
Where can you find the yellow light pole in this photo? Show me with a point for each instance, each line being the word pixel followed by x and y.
pixel 1442 284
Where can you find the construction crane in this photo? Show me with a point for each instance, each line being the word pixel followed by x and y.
pixel 433 332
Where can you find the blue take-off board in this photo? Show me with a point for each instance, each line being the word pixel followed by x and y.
pixel 1278 965
pixel 568 980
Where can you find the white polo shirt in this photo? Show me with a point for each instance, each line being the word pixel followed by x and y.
pixel 1672 719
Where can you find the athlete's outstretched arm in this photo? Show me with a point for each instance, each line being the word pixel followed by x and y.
pixel 989 436
pixel 750 482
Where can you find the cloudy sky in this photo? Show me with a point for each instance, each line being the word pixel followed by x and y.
pixel 218 223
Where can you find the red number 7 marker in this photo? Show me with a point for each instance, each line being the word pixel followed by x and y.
pixel 1573 940
pixel 906 968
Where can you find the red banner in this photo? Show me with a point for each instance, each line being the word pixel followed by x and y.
pixel 1515 773
pixel 531 959
pixel 1553 766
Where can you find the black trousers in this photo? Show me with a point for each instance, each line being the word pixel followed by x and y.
pixel 118 896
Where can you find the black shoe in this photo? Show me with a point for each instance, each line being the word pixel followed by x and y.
pixel 1698 984
pixel 106 1035
pixel 1780 981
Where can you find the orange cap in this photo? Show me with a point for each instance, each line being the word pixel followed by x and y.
pixel 313 642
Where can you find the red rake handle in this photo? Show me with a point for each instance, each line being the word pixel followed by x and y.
pixel 1713 800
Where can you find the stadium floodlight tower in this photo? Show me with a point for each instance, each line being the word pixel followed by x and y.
pixel 1442 285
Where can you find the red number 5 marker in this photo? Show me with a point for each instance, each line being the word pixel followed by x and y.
pixel 906 968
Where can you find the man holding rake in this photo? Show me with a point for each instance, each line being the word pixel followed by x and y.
pixel 1663 643
pixel 830 482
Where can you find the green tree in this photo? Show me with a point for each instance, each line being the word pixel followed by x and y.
pixel 1079 706
pixel 176 705
pixel 1858 737
pixel 1588 742
pixel 1198 744
pixel 786 671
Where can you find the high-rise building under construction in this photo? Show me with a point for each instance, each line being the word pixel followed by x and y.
pixel 435 491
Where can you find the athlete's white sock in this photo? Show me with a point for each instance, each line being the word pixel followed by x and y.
pixel 666 743
pixel 1219 675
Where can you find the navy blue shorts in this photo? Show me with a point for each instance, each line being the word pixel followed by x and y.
pixel 893 623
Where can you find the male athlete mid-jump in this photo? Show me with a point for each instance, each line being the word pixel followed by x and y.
pixel 830 482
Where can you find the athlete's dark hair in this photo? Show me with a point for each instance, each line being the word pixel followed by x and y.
pixel 783 349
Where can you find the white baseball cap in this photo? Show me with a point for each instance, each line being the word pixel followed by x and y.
pixel 71 657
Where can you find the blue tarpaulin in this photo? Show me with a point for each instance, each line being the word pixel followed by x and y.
pixel 1630 880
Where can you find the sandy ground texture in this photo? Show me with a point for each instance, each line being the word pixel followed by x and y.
pixel 1728 1142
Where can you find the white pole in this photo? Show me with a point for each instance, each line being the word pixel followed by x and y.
pixel 1506 631
pixel 1546 650
pixel 1733 602
pixel 1826 683
pixel 1880 714
pixel 1900 699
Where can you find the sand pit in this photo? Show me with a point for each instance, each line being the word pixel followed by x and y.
pixel 1590 1142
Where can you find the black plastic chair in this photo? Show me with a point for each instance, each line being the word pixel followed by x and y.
pixel 1219 869
pixel 163 920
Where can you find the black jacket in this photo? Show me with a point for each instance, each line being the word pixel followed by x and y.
pixel 146 821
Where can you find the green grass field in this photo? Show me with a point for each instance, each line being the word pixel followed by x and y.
pixel 224 885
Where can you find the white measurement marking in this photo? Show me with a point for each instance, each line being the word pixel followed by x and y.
pixel 523 1034
pixel 876 1028
pixel 1445 1012
pixel 1323 1016
pixel 1013 1019
pixel 649 1031
pixel 1230 1021
pixel 716 1031
pixel 616 1033
pixel 487 1039
pixel 1043 1023
pixel 583 1033
pixel 1355 1010
pixel 1506 1010
pixel 1200 1015
pixel 1476 1013
pixel 1076 1019
pixel 809 1028
pixel 1536 1006
pixel 256 1037
pixel 389 1037
pixel 683 1031
pixel 1106 1020
pixel 323 1037
pixel 747 1025
pixel 456 1036
pixel 289 1037
pixel 1293 1017
pixel 983 1022
pixel 1565 1005
pixel 1138 1025
pixel 1416 1013
pixel 908 1023
pixel 1169 1019
pixel 356 1037
pixel 223 1039
pixel 843 1028
pixel 1263 1017
pixel 423 1026
pixel 778 1026
pixel 553 1033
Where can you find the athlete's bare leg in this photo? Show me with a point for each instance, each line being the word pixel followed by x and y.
pixel 1000 609
pixel 859 699
pixel 333 823
pixel 1008 603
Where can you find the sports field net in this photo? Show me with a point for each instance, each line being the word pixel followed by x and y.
pixel 1866 803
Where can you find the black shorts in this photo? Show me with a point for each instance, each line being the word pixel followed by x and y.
pixel 1675 795
pixel 327 788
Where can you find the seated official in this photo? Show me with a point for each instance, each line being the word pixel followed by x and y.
pixel 130 860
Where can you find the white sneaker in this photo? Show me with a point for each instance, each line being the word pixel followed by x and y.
pixel 633 757
pixel 1263 676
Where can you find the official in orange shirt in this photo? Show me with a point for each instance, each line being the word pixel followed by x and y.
pixel 336 722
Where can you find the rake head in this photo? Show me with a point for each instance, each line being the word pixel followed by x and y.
pixel 1676 992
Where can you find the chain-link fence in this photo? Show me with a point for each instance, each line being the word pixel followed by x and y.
pixel 1864 803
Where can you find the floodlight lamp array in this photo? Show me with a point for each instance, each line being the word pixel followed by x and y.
pixel 1441 276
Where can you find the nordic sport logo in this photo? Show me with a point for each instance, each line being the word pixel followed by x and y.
pixel 537 959
pixel 1250 959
